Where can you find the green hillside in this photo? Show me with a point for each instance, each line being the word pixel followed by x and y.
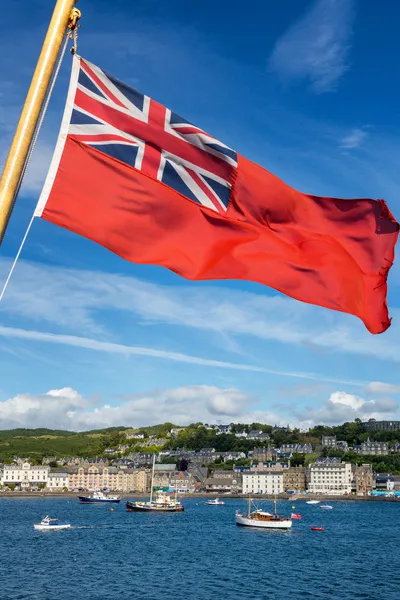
pixel 58 443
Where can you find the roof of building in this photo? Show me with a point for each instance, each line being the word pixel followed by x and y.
pixel 217 481
pixel 272 472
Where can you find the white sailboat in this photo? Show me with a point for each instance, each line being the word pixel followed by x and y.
pixel 262 519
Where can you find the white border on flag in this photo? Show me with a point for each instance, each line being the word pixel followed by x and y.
pixel 62 136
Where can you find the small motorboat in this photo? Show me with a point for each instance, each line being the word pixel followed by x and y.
pixel 47 524
pixel 317 529
pixel 326 506
pixel 215 502
pixel 313 501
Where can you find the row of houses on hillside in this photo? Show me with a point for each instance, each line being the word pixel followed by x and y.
pixel 368 447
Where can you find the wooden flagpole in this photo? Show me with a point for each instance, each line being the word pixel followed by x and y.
pixel 63 16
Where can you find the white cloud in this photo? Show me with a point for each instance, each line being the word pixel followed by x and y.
pixel 73 300
pixel 342 406
pixel 316 47
pixel 378 387
pixel 101 346
pixel 67 409
pixel 354 139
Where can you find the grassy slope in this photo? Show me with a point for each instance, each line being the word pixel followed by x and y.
pixel 49 442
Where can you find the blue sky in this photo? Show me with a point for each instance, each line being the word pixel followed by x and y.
pixel 303 88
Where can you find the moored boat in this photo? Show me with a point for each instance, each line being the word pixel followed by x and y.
pixel 317 529
pixel 262 519
pixel 326 506
pixel 163 501
pixel 313 501
pixel 99 497
pixel 214 502
pixel 48 524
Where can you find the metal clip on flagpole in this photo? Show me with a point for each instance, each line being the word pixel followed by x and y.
pixel 33 114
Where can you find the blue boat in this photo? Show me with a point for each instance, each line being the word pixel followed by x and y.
pixel 99 497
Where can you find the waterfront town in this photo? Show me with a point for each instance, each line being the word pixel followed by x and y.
pixel 266 468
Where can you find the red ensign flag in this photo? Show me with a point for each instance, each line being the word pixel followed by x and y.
pixel 135 177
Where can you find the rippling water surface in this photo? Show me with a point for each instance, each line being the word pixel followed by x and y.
pixel 199 554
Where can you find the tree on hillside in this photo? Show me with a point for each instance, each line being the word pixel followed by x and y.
pixel 182 465
pixel 297 460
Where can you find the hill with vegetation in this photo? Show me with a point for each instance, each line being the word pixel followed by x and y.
pixel 37 443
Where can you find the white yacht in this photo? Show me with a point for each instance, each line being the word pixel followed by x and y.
pixel 214 502
pixel 262 519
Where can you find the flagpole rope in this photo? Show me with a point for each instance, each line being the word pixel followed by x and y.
pixel 71 33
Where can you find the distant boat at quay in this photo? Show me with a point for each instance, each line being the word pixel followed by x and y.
pixel 99 497
pixel 262 519
pixel 313 501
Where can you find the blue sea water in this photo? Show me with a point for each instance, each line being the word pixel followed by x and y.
pixel 199 554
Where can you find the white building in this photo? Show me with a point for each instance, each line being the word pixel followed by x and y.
pixel 25 475
pixel 263 482
pixel 223 429
pixel 330 477
pixel 134 436
pixel 57 480
pixel 241 434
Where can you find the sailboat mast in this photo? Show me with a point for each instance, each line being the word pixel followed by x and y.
pixel 152 478
pixel 248 506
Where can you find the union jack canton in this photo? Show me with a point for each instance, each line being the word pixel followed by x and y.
pixel 116 119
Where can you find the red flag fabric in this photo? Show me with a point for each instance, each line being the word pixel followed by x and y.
pixel 294 516
pixel 138 179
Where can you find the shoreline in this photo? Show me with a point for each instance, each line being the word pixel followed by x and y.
pixel 203 495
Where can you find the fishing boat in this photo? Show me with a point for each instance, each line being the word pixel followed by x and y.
pixel 313 501
pixel 215 502
pixel 99 497
pixel 48 524
pixel 162 502
pixel 326 506
pixel 262 519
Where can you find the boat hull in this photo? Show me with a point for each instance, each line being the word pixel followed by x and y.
pixel 133 507
pixel 39 527
pixel 249 522
pixel 88 500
